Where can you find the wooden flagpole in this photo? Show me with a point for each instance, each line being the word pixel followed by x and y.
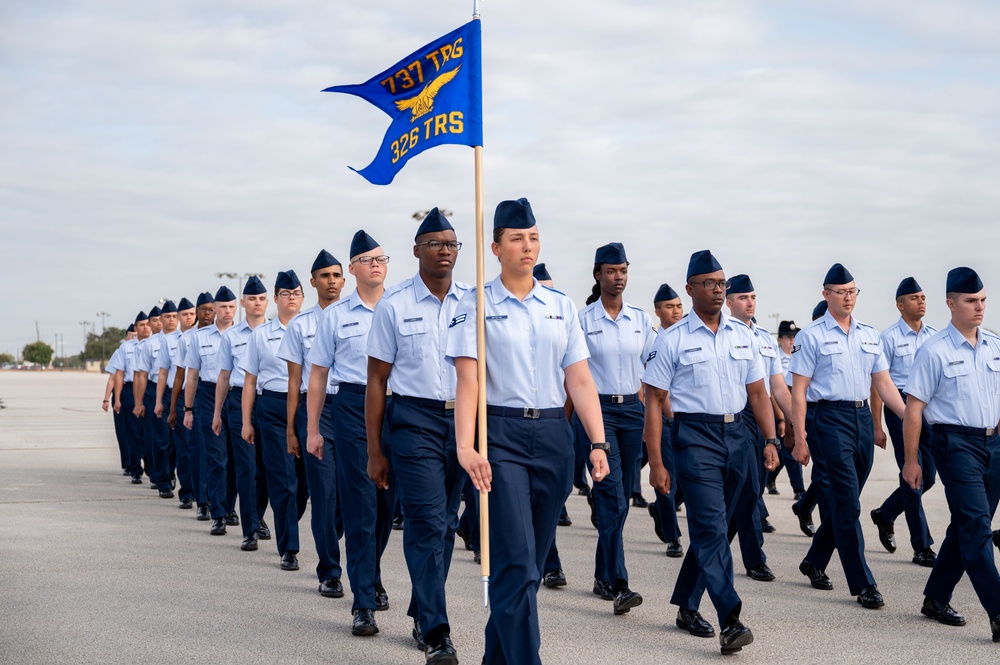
pixel 484 497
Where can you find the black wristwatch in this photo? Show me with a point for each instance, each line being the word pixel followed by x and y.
pixel 774 442
pixel 603 445
pixel 188 409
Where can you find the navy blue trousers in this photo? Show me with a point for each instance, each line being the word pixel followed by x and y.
pixel 182 437
pixel 711 460
pixel 119 420
pixel 842 443
pixel 157 435
pixel 904 499
pixel 623 425
pixel 133 431
pixel 970 472
pixel 198 456
pixel 282 481
pixel 665 503
pixel 794 470
pixel 469 521
pixel 244 460
pixel 216 451
pixel 746 520
pixel 532 464
pixel 429 483
pixel 321 475
pixel 369 521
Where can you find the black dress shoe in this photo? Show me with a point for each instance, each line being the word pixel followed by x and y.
pixel 995 626
pixel 442 653
pixel 250 542
pixel 202 515
pixel 996 538
pixel 381 598
pixel 476 557
pixel 232 519
pixel 734 637
pixel 564 520
pixel 185 504
pixel 166 494
pixel 418 636
pixel 817 577
pixel 771 489
pixel 593 509
pixel 626 599
pixel 126 472
pixel 639 501
pixel 766 526
pixel 693 622
pixel 397 523
pixel 364 623
pixel 799 495
pixel 554 578
pixel 603 589
pixel 886 534
pixel 331 588
pixel 289 561
pixel 870 598
pixel 657 526
pixel 806 525
pixel 582 491
pixel 465 538
pixel 136 480
pixel 218 527
pixel 153 486
pixel 925 557
pixel 941 613
pixel 761 573
pixel 263 531
pixel 675 550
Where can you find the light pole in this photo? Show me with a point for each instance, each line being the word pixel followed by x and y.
pixel 101 314
pixel 84 354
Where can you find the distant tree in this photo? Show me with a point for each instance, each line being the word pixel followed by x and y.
pixel 6 359
pixel 38 352
pixel 112 337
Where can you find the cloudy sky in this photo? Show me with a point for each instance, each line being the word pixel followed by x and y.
pixel 145 147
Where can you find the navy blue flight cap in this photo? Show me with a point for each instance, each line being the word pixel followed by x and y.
pixel 287 280
pixel 184 304
pixel 131 328
pixel 205 299
pixel 788 328
pixel 141 316
pixel 514 215
pixel 665 293
pixel 612 253
pixel 963 280
pixel 324 260
pixel 434 221
pixel 819 310
pixel 838 274
pixel 168 308
pixel 540 273
pixel 702 263
pixel 224 294
pixel 740 284
pixel 154 312
pixel 907 287
pixel 254 287
pixel 362 243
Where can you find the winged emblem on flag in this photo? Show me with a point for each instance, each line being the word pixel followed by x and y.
pixel 423 103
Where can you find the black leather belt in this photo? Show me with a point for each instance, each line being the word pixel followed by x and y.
pixel 710 417
pixel 422 402
pixel 211 384
pixel 525 412
pixel 845 403
pixel 236 389
pixel 618 399
pixel 978 432
pixel 327 400
pixel 275 394
pixel 359 388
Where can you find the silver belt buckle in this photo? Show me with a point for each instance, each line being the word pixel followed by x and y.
pixel 618 399
pixel 449 405
pixel 729 418
pixel 859 404
pixel 990 431
pixel 533 413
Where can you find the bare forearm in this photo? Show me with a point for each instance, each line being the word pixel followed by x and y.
pixel 652 431
pixel 294 383
pixel 249 396
pixel 316 396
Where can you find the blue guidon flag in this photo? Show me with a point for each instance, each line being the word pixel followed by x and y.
pixel 434 97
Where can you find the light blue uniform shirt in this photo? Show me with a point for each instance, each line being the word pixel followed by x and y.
pixel 840 365
pixel 410 330
pixel 117 360
pixel 786 360
pixel 169 355
pixel 203 353
pixel 960 384
pixel 529 344
pixel 704 372
pixel 128 360
pixel 618 347
pixel 341 340
pixel 298 340
pixel 767 348
pixel 900 344
pixel 232 348
pixel 261 358
pixel 147 352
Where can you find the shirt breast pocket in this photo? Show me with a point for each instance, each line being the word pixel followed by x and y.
pixel 353 338
pixel 956 381
pixel 741 357
pixel 993 375
pixel 698 365
pixel 904 359
pixel 414 338
pixel 870 356
pixel 833 358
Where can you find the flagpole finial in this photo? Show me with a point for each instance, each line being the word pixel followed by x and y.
pixel 475 9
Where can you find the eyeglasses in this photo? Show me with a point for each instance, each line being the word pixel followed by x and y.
pixel 367 260
pixel 436 245
pixel 285 293
pixel 845 293
pixel 712 284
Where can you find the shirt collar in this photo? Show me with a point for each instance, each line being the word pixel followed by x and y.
pixel 500 292
pixel 695 322
pixel 355 301
pixel 958 339
pixel 831 322
pixel 420 290
pixel 600 312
